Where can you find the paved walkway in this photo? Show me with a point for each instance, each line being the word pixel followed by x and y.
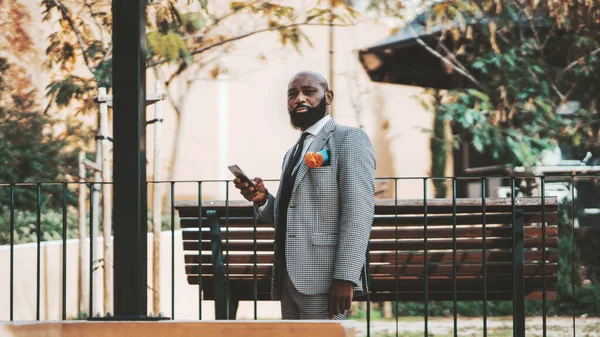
pixel 497 327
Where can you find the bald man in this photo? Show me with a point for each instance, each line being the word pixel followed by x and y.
pixel 323 215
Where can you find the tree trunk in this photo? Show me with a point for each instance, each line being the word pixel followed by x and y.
pixel 106 206
pixel 95 226
pixel 83 280
pixel 439 152
pixel 387 310
pixel 157 203
pixel 176 143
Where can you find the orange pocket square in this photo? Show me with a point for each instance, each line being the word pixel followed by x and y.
pixel 316 159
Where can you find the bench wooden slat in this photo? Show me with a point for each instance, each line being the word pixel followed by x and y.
pixel 432 220
pixel 447 296
pixel 240 221
pixel 463 205
pixel 538 295
pixel 387 281
pixel 461 219
pixel 420 297
pixel 403 245
pixel 402 257
pixel 380 233
pixel 441 285
pixel 498 278
pixel 493 295
pixel 436 287
pixel 388 269
pixel 388 206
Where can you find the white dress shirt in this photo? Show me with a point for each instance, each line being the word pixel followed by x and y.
pixel 312 131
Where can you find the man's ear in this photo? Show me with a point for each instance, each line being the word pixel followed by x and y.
pixel 328 97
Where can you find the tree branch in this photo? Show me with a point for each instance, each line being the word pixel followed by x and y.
pixel 531 25
pixel 65 14
pixel 554 87
pixel 568 95
pixel 108 52
pixel 446 61
pixel 574 63
pixel 562 97
pixel 160 77
pixel 92 14
pixel 452 56
pixel 239 37
pixel 548 36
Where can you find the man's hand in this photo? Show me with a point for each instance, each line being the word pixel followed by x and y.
pixel 248 191
pixel 340 297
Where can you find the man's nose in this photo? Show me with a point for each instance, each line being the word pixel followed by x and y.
pixel 300 99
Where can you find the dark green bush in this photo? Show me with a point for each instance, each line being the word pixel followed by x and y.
pixel 51 225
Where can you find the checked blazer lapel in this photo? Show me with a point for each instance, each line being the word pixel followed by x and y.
pixel 316 146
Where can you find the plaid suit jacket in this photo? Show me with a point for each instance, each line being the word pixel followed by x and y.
pixel 330 214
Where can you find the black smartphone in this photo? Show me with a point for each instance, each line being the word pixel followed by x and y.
pixel 238 173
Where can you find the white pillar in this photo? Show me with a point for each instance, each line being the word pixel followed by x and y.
pixel 223 130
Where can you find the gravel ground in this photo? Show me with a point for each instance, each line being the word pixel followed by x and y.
pixel 497 327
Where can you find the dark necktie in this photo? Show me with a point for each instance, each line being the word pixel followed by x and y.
pixel 294 159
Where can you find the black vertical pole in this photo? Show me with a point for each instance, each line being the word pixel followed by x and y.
pixel 518 275
pixel 91 263
pixel 38 231
pixel 173 250
pixel 518 266
pixel 12 251
pixel 454 293
pixel 425 261
pixel 129 124
pixel 64 253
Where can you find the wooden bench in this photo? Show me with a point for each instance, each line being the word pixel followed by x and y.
pixel 404 260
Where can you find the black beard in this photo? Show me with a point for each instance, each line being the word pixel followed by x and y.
pixel 305 120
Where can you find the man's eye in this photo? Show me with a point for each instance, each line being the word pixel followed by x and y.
pixel 291 94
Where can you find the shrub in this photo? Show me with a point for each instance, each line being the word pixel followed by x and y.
pixel 51 225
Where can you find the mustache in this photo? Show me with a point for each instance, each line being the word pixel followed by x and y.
pixel 308 107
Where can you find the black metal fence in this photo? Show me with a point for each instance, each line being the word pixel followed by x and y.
pixel 430 255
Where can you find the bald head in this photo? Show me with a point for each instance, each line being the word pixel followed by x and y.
pixel 313 76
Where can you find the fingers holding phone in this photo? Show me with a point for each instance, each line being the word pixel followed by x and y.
pixel 254 191
pixel 248 191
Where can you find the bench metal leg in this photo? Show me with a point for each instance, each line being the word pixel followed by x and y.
pixel 233 306
pixel 518 275
pixel 221 292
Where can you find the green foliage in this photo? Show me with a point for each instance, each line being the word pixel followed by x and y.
pixel 33 147
pixel 169 46
pixel 82 316
pixel 71 87
pixel 25 225
pixel 523 60
pixel 361 314
pixel 165 221
pixel 177 32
